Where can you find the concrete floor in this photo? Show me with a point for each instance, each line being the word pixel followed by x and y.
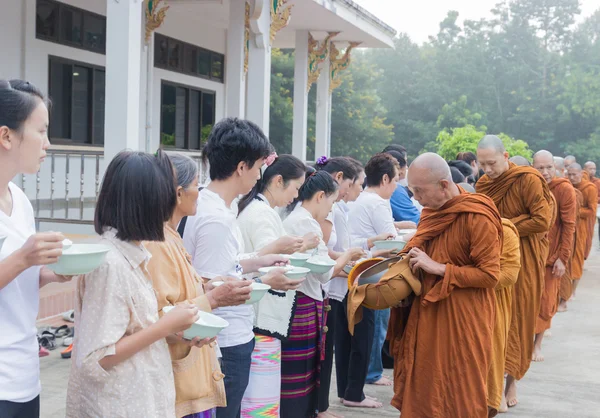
pixel 566 385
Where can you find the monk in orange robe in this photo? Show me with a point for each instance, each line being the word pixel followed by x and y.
pixel 521 195
pixel 575 268
pixel 562 236
pixel 442 343
pixel 590 168
pixel 510 264
pixel 587 212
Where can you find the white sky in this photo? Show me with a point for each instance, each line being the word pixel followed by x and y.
pixel 421 18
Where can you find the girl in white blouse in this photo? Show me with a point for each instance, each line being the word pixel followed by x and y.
pixel 262 230
pixel 303 351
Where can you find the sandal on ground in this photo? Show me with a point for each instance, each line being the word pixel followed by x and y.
pixel 66 353
pixel 69 316
pixel 67 341
pixel 47 340
pixel 43 352
pixel 61 331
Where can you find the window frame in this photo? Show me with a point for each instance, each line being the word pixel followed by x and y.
pixel 92 105
pixel 59 27
pixel 183 46
pixel 188 97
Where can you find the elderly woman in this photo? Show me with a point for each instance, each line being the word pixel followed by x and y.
pixel 198 379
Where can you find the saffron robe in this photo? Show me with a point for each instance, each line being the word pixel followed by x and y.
pixel 588 211
pixel 442 343
pixel 580 240
pixel 523 196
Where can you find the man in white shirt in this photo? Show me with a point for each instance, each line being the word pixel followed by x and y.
pixel 236 150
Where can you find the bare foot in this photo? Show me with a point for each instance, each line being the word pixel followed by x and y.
pixel 511 392
pixel 537 355
pixel 562 307
pixel 548 334
pixel 328 414
pixel 384 381
pixel 366 403
pixel 366 397
pixel 503 406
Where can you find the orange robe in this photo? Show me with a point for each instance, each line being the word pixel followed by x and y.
pixel 523 196
pixel 442 343
pixel 562 238
pixel 588 211
pixel 580 241
pixel 510 264
pixel 596 182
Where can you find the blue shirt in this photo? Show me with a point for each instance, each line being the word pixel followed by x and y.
pixel 403 208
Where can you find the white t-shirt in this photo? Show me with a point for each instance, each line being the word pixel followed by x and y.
pixel 370 215
pixel 19 303
pixel 214 240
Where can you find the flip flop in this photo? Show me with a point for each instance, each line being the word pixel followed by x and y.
pixel 47 340
pixel 66 353
pixel 43 352
pixel 69 316
pixel 61 331
pixel 67 341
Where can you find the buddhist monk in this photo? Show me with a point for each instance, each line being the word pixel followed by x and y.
pixel 575 267
pixel 442 343
pixel 587 211
pixel 522 161
pixel 559 165
pixel 570 159
pixel 510 264
pixel 561 237
pixel 522 196
pixel 590 168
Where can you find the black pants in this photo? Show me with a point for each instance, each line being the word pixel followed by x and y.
pixel 29 409
pixel 352 353
pixel 327 364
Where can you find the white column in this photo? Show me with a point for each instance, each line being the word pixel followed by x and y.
pixel 123 63
pixel 322 116
pixel 234 70
pixel 300 95
pixel 259 70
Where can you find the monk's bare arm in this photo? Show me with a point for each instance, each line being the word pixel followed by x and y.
pixel 567 205
pixel 540 208
pixel 484 272
pixel 590 199
pixel 510 260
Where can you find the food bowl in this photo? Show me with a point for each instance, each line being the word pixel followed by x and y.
pixel 375 272
pixel 406 231
pixel 207 326
pixel 348 268
pixel 320 264
pixel 80 259
pixel 390 244
pixel 291 272
pixel 67 243
pixel 259 290
pixel 299 259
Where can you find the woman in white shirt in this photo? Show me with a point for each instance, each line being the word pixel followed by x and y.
pixel 303 351
pixel 369 216
pixel 23 145
pixel 262 228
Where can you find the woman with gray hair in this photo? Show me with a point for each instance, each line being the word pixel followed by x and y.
pixel 199 385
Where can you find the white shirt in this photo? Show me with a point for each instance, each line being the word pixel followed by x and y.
pixel 300 222
pixel 19 302
pixel 214 240
pixel 370 216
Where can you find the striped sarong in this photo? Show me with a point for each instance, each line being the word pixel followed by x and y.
pixel 300 360
pixel 206 414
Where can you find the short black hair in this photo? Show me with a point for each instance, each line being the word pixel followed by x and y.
pixel 138 195
pixel 457 176
pixel 462 166
pixel 378 166
pixel 316 181
pixel 18 100
pixel 231 142
pixel 337 164
pixel 398 156
pixel 396 147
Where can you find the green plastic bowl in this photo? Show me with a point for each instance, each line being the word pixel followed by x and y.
pixel 80 259
pixel 259 290
pixel 207 326
pixel 299 259
pixel 390 244
pixel 292 272
pixel 319 267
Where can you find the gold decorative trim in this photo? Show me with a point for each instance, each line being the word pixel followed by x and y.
pixel 280 17
pixel 317 53
pixel 155 16
pixel 246 38
pixel 338 64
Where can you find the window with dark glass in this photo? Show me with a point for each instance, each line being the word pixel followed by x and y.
pixel 77 92
pixel 174 55
pixel 72 26
pixel 187 116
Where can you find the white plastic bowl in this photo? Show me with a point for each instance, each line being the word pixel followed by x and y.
pixel 259 290
pixel 299 259
pixel 80 259
pixel 406 231
pixel 67 243
pixel 320 265
pixel 207 326
pixel 291 272
pixel 390 244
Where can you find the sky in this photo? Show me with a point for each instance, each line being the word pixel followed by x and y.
pixel 421 18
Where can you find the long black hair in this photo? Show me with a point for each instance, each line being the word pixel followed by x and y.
pixel 287 166
pixel 316 181
pixel 337 164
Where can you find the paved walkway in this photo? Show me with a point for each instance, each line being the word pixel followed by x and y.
pixel 566 385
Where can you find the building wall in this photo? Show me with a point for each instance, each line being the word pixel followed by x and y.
pixel 12 40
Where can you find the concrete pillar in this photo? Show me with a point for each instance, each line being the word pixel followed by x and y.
pixel 300 95
pixel 259 69
pixel 234 70
pixel 323 120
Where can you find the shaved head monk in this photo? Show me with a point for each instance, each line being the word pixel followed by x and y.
pixel 559 165
pixel 587 211
pixel 590 168
pixel 570 159
pixel 561 237
pixel 442 341
pixel 522 161
pixel 522 196
pixel 575 267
